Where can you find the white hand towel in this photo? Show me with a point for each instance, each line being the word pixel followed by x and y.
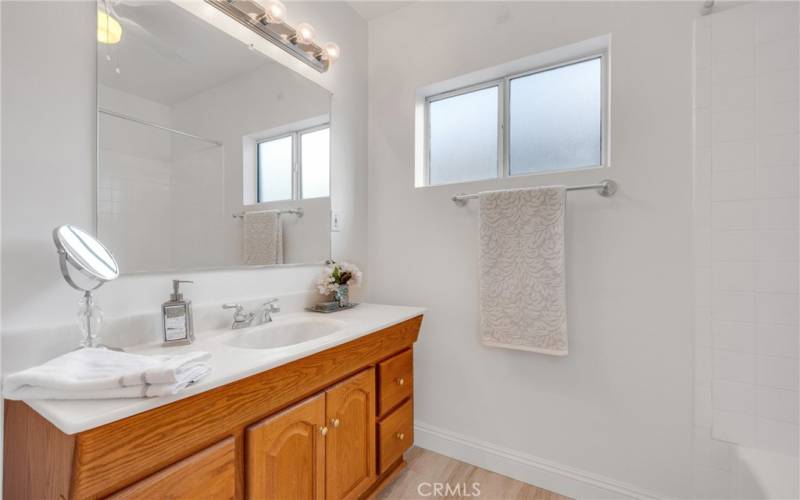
pixel 263 238
pixel 522 286
pixel 98 373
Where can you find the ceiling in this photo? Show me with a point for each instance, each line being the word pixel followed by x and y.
pixel 370 10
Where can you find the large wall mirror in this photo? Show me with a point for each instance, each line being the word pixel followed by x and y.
pixel 210 154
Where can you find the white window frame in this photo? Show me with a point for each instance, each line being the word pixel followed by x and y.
pixel 503 116
pixel 297 161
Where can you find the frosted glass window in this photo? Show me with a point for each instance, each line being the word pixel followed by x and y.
pixel 315 163
pixel 275 169
pixel 463 137
pixel 555 119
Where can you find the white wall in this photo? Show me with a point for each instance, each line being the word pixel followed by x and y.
pixel 746 233
pixel 617 412
pixel 48 157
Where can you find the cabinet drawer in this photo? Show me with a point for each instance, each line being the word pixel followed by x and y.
pixel 396 381
pixel 395 435
pixel 210 473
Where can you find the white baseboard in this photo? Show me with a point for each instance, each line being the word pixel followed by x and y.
pixel 543 473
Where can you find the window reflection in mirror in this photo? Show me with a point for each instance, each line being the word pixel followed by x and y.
pixel 294 166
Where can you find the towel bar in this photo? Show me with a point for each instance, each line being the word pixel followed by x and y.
pixel 604 188
pixel 295 211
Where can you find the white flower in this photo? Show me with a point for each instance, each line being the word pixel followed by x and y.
pixel 328 282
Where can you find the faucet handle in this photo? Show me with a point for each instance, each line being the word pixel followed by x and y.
pixel 271 305
pixel 239 316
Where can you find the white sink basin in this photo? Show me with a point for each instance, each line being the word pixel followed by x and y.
pixel 285 332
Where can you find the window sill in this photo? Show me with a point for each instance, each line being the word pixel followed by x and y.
pixel 517 176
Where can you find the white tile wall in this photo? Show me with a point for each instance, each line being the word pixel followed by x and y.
pixel 735 245
pixel 777 246
pixel 734 396
pixel 732 366
pixel 734 336
pixel 777 404
pixel 781 277
pixel 734 427
pixel 733 275
pixel 777 340
pixel 733 155
pixel 777 372
pixel 746 259
pixel 777 151
pixel 777 436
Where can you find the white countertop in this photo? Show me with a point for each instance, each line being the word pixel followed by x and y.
pixel 229 364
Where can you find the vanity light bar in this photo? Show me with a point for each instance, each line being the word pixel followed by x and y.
pixel 253 16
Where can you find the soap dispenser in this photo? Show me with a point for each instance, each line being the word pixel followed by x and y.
pixel 176 316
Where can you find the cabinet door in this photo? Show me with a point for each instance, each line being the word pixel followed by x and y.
pixel 350 457
pixel 210 473
pixel 286 453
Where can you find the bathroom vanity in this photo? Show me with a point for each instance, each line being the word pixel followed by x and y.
pixel 328 418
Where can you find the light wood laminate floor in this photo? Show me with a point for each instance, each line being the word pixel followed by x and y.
pixel 426 468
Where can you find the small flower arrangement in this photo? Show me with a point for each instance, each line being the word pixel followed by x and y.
pixel 337 274
pixel 337 278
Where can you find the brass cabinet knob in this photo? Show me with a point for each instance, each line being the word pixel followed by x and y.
pixel 335 422
pixel 323 430
pixel 401 381
pixel 400 436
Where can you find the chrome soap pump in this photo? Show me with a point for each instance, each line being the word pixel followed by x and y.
pixel 176 317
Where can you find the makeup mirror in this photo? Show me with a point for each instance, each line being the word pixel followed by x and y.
pixel 81 251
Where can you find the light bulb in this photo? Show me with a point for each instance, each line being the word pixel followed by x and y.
pixel 305 33
pixel 109 30
pixel 274 11
pixel 331 51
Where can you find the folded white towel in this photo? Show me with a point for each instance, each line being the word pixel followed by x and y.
pixel 30 392
pixel 98 373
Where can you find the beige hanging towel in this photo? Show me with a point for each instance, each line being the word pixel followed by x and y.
pixel 522 287
pixel 263 238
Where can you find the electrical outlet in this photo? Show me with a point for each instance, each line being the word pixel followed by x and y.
pixel 336 221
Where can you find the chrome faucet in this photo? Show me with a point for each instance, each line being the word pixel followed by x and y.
pixel 244 319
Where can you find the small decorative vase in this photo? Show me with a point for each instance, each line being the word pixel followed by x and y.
pixel 343 295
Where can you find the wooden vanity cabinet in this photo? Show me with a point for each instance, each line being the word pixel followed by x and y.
pixel 307 429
